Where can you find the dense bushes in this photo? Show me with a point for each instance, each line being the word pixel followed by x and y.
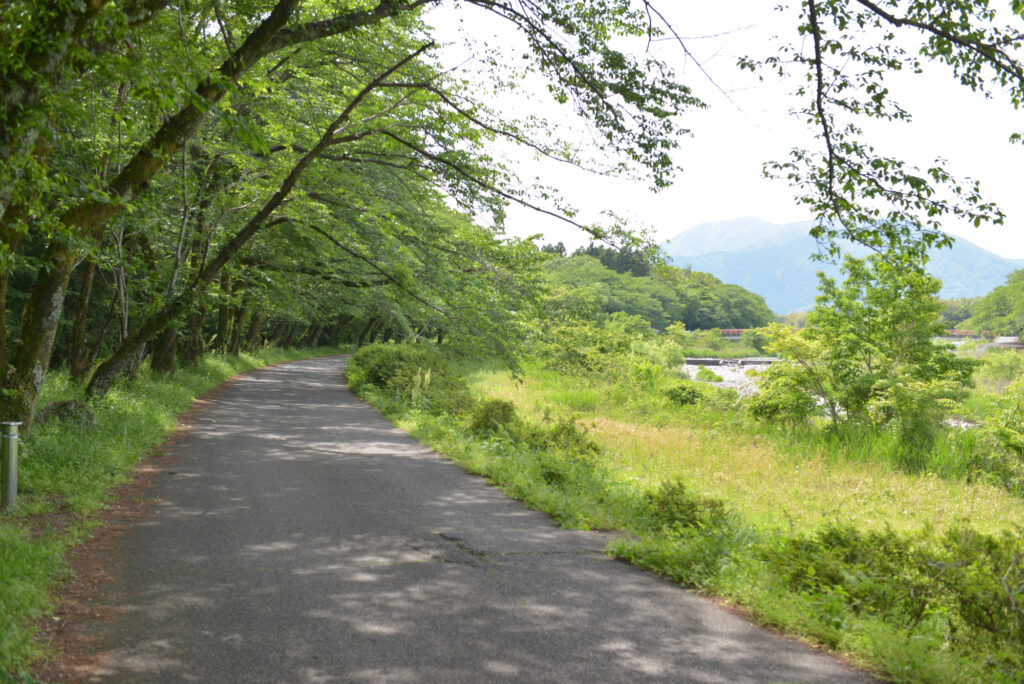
pixel 1006 421
pixel 1001 366
pixel 958 595
pixel 421 377
pixel 962 588
pixel 414 373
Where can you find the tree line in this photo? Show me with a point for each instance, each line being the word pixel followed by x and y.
pixel 598 281
pixel 176 176
pixel 219 173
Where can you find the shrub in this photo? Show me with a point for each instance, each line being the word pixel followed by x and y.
pixel 495 416
pixel 873 571
pixel 1006 421
pixel 755 338
pixel 783 396
pixel 705 374
pixel 416 373
pixel 685 394
pixel 673 506
pixel 379 364
pixel 969 585
pixel 567 435
pixel 1001 365
pixel 867 351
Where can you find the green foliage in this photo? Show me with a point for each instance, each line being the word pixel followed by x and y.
pixel 842 63
pixel 783 395
pixel 568 436
pixel 956 311
pixel 756 338
pixel 685 394
pixel 415 373
pixel 673 506
pixel 633 262
pixel 494 416
pixel 962 586
pixel 667 296
pixel 384 365
pixel 1006 421
pixel 705 374
pixel 867 353
pixel 1001 365
pixel 1001 311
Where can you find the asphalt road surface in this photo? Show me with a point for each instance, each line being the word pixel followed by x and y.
pixel 300 537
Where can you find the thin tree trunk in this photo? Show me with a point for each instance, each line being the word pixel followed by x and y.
pixel 313 338
pixel 41 315
pixel 94 352
pixel 278 333
pixel 290 337
pixel 77 354
pixel 195 347
pixel 366 331
pixel 226 312
pixel 241 320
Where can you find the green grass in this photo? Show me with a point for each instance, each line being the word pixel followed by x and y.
pixel 68 467
pixel 867 556
pixel 862 476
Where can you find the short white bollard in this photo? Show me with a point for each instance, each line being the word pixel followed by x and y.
pixel 9 447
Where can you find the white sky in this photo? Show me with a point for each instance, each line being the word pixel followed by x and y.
pixel 731 140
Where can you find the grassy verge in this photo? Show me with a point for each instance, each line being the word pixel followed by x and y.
pixel 776 476
pixel 916 575
pixel 68 466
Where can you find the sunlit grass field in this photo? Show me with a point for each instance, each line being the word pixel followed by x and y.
pixel 772 480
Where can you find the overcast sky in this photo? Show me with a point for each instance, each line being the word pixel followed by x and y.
pixel 749 124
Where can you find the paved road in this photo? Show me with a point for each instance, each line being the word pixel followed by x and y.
pixel 301 538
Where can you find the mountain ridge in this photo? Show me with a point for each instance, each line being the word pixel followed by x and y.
pixel 774 261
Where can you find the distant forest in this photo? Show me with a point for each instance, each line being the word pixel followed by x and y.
pixel 603 280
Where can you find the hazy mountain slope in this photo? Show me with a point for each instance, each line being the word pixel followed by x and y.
pixel 773 260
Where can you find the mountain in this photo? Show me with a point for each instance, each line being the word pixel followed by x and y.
pixel 773 260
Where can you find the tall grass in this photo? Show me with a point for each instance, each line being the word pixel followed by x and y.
pixel 69 466
pixel 778 476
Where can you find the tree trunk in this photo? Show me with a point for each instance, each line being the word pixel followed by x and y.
pixel 252 337
pixel 289 339
pixel 225 314
pixel 40 320
pixel 77 354
pixel 195 347
pixel 239 324
pixel 338 329
pixel 366 331
pixel 313 340
pixel 41 315
pixel 10 240
pixel 278 333
pixel 97 345
pixel 4 275
pixel 165 351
